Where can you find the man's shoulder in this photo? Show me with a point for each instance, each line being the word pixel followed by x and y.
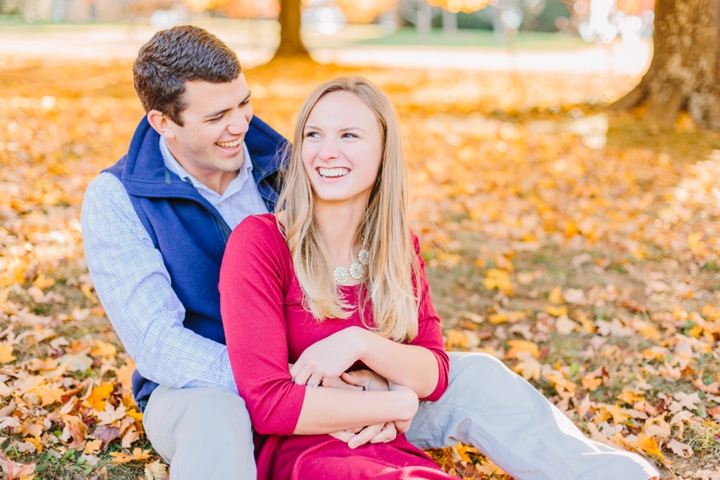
pixel 105 185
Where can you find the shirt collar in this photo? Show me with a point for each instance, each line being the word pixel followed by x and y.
pixel 174 166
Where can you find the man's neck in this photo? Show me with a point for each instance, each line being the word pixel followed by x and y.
pixel 216 180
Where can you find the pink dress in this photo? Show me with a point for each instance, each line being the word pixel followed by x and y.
pixel 266 328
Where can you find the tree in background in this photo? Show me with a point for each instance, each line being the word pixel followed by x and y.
pixel 290 18
pixel 684 68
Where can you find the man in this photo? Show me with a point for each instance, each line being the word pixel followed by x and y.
pixel 154 228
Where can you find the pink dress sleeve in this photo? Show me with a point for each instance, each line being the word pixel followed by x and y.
pixel 253 277
pixel 430 331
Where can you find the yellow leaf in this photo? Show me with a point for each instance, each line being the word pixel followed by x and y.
pixel 528 367
pixel 619 414
pixel 6 353
pixel 92 447
pixel 630 397
pixel 558 380
pixel 135 414
pixel 517 346
pixel 649 445
pixel 497 318
pixel 591 382
pixel 556 295
pixel 556 311
pixel 97 399
pixel 455 338
pixel 43 282
pixel 49 395
pixel 500 279
pixel 137 454
pixel 38 444
pixel 86 290
pixel 103 349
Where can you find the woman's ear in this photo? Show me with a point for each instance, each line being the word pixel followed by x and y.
pixel 161 123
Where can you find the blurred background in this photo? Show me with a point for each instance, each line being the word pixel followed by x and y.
pixel 612 34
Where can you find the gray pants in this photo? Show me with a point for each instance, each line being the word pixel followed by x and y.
pixel 206 434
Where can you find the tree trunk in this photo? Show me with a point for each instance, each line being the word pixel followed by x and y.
pixel 683 73
pixel 291 43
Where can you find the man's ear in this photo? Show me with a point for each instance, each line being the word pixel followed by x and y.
pixel 161 123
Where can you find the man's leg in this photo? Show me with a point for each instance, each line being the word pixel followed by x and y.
pixel 204 433
pixel 495 410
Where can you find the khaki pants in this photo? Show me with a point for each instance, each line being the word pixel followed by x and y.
pixel 205 432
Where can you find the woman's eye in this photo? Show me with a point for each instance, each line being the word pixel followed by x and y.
pixel 311 135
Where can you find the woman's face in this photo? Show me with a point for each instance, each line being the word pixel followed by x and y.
pixel 342 148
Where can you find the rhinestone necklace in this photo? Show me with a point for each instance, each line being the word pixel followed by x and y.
pixel 357 269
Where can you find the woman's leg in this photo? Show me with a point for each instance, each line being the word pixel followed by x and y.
pixel 495 410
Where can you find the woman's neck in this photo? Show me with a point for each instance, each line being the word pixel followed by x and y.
pixel 337 224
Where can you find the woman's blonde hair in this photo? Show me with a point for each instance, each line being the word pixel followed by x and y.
pixel 393 269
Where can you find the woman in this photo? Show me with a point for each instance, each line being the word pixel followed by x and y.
pixel 337 271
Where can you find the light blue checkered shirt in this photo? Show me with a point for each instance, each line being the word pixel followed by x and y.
pixel 134 286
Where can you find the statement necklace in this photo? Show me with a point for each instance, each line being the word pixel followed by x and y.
pixel 357 269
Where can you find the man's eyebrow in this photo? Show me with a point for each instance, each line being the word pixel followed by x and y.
pixel 220 112
pixel 215 114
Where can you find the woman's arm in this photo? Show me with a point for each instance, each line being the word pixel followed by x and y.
pixel 421 365
pixel 252 279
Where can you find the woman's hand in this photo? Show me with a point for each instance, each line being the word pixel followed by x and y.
pixel 324 361
pixel 379 433
pixel 403 425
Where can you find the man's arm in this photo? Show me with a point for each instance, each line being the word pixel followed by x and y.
pixel 134 287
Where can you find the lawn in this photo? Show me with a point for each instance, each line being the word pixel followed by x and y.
pixel 580 248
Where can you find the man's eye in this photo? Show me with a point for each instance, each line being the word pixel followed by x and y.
pixel 216 119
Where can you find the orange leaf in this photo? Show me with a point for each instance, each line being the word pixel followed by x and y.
pixel 137 455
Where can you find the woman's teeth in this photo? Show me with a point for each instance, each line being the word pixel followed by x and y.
pixel 232 144
pixel 333 172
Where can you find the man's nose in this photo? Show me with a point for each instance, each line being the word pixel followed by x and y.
pixel 239 124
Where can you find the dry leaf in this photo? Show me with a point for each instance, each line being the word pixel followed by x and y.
pixel 680 449
pixel 137 455
pixel 565 326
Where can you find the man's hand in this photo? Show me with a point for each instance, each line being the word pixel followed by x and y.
pixel 366 379
pixel 324 361
pixel 380 433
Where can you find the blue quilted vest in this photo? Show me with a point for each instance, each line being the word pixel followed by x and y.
pixel 189 232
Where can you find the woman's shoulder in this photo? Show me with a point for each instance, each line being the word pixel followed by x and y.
pixel 258 229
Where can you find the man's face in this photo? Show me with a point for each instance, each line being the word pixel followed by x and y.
pixel 215 121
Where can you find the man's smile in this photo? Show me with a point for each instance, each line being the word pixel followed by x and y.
pixel 229 145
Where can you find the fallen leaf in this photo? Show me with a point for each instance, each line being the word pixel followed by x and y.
pixel 156 470
pixel 137 455
pixel 99 395
pixel 93 446
pixel 680 449
pixel 649 446
pixel 110 414
pixel 106 434
pixel 565 326
pixel 6 353
pixel 131 436
pixel 517 346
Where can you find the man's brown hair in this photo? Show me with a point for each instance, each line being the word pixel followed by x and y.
pixel 175 56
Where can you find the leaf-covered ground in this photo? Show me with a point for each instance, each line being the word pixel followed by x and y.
pixel 588 263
